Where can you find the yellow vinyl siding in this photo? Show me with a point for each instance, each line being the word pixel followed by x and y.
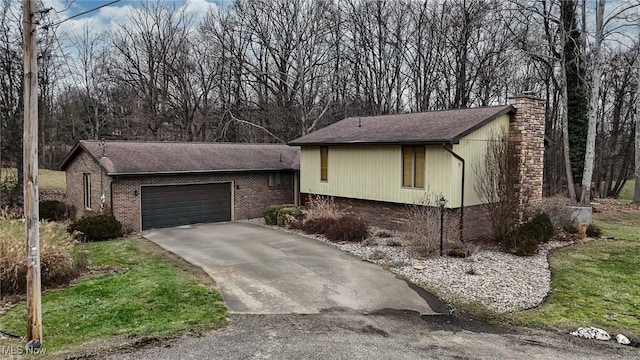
pixel 473 149
pixel 375 172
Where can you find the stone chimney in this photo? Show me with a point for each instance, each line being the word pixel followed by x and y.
pixel 526 143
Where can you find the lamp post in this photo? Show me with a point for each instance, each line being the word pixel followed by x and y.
pixel 443 202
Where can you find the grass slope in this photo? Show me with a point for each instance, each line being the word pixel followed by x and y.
pixel 148 295
pixel 47 179
pixel 595 283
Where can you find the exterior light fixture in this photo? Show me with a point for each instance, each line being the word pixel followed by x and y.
pixel 443 202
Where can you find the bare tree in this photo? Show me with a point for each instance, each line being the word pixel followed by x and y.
pixel 636 194
pixel 497 186
pixel 147 51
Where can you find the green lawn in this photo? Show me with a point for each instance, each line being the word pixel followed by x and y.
pixel 149 294
pixel 47 179
pixel 595 283
pixel 627 191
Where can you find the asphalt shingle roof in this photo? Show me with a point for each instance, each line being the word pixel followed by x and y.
pixel 133 157
pixel 434 127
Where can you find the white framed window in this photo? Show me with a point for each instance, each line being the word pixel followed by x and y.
pixel 86 189
pixel 274 179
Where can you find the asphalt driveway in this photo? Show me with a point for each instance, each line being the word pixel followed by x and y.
pixel 260 270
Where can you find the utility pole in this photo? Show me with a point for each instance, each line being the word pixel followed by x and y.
pixel 30 159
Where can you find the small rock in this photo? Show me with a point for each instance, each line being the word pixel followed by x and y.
pixel 621 339
pixel 592 333
pixel 418 267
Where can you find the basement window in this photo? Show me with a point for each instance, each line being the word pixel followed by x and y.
pixel 274 179
pixel 86 187
pixel 413 166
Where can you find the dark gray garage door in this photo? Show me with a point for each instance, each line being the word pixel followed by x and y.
pixel 175 205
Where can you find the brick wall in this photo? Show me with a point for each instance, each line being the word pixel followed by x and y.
pixel 100 184
pixel 526 143
pixel 251 191
pixel 393 216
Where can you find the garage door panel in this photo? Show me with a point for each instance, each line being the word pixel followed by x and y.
pixel 175 205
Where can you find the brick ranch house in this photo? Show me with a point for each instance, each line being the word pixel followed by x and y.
pixel 377 165
pixel 162 184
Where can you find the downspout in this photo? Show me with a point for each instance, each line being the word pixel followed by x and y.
pixel 461 221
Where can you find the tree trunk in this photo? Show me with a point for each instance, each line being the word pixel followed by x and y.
pixel 565 122
pixel 636 195
pixel 585 195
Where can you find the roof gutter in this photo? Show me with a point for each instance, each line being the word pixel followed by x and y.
pixel 182 172
pixel 373 142
pixel 447 147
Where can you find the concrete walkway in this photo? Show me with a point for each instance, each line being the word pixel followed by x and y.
pixel 260 270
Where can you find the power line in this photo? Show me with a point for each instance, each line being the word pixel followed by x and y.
pixel 83 13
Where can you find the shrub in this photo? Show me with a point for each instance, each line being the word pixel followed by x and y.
pixel 524 239
pixel 383 234
pixel 288 214
pixel 541 224
pixel 422 229
pixel 521 241
pixel 459 252
pixel 97 227
pixel 53 210
pixel 498 185
pixel 393 243
pixel 594 231
pixel 348 228
pixel 318 225
pixel 270 214
pixel 57 264
pixel 9 189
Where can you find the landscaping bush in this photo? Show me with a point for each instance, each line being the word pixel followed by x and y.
pixel 422 229
pixel 53 210
pixel 459 252
pixel 270 214
pixel 524 239
pixel 318 225
pixel 594 231
pixel 288 214
pixel 9 189
pixel 348 228
pixel 57 264
pixel 96 227
pixel 541 224
pixel 521 242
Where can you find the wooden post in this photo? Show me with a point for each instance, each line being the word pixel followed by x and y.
pixel 30 159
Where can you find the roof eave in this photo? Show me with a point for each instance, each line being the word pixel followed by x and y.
pixel 382 142
pixel 507 109
pixel 183 172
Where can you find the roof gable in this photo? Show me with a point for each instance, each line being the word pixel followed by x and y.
pixel 130 157
pixel 435 127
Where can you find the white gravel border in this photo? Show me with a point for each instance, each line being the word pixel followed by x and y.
pixel 499 281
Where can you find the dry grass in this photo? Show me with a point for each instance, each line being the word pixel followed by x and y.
pixel 423 227
pixel 56 259
pixel 322 207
